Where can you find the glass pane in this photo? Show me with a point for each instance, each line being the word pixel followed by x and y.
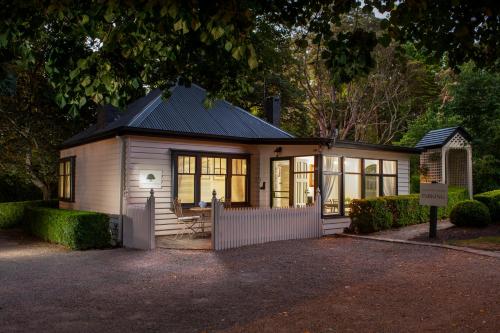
pixel 61 186
pixel 68 168
pixel 238 188
pixel 352 165
pixel 210 183
pixel 303 189
pixel 223 166
pixel 204 165
pixel 304 164
pixel 371 166
pixel 67 187
pixel 352 189
pixel 331 194
pixel 371 186
pixel 185 184
pixel 192 164
pixel 281 183
pixel 186 164
pixel 331 164
pixel 389 167
pixel 389 185
pixel 61 168
pixel 239 166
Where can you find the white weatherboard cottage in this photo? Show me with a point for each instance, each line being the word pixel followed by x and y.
pixel 185 151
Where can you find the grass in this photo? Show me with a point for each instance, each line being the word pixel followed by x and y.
pixel 484 243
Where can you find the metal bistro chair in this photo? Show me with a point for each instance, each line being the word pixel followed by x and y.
pixel 187 222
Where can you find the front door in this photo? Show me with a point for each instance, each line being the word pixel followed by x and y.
pixel 280 187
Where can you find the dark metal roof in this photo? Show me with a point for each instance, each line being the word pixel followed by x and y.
pixel 184 112
pixel 438 138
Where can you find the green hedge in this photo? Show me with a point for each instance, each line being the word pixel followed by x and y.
pixel 12 213
pixel 77 230
pixel 492 200
pixel 370 215
pixel 470 213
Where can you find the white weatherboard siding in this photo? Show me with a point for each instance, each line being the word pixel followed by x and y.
pixel 97 177
pixel 145 153
pixel 334 225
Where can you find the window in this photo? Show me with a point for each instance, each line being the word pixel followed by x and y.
pixel 331 185
pixel 293 181
pixel 213 177
pixel 303 181
pixel 389 178
pixel 372 178
pixel 67 179
pixel 198 174
pixel 352 181
pixel 238 180
pixel 186 170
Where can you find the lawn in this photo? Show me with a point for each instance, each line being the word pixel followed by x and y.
pixel 491 243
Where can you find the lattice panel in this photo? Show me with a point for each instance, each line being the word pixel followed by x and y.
pixel 457 167
pixel 430 164
pixel 457 141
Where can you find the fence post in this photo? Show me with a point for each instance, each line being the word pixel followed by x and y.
pixel 151 220
pixel 318 212
pixel 213 221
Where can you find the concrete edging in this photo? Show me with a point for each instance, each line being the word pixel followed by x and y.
pixel 401 241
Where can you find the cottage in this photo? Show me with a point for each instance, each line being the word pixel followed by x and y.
pixel 185 151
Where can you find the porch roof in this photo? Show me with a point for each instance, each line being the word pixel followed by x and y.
pixel 438 138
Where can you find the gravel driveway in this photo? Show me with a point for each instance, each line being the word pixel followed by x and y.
pixel 326 285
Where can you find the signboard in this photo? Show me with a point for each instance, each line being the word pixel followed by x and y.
pixel 434 194
pixel 150 178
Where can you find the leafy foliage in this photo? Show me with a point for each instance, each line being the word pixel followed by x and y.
pixel 371 215
pixel 492 200
pixel 77 230
pixel 470 213
pixel 12 214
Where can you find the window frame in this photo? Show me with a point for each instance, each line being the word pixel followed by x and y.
pixel 197 176
pixel 341 213
pixel 64 160
pixel 291 193
pixel 342 173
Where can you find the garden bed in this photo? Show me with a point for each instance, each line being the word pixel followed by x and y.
pixel 487 238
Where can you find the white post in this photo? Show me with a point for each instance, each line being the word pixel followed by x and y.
pixel 151 220
pixel 443 165
pixel 469 171
pixel 213 220
pixel 319 204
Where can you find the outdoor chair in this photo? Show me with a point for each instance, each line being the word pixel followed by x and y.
pixel 186 222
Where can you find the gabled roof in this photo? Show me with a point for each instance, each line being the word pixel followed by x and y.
pixel 184 114
pixel 438 138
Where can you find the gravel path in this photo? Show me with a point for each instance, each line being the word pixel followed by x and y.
pixel 411 231
pixel 326 285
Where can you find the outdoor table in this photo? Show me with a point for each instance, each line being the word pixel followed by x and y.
pixel 204 213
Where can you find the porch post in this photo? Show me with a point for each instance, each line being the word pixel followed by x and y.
pixel 444 151
pixel 469 170
pixel 213 219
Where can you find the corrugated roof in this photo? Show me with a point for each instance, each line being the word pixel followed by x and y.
pixel 184 113
pixel 438 138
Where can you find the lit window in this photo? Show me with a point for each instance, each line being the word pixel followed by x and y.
pixel 186 169
pixel 67 179
pixel 372 178
pixel 238 180
pixel 389 177
pixel 331 185
pixel 352 181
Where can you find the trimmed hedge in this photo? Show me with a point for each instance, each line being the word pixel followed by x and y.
pixel 12 213
pixel 492 200
pixel 370 215
pixel 470 213
pixel 77 230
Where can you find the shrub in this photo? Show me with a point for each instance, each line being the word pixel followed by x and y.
pixel 369 215
pixel 470 213
pixel 77 230
pixel 492 200
pixel 12 213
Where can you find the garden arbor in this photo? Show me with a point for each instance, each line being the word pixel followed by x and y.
pixel 447 157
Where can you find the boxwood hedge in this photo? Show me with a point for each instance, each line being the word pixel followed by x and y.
pixel 370 215
pixel 492 200
pixel 12 213
pixel 77 230
pixel 470 213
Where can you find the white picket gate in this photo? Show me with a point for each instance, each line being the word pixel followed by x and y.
pixel 236 227
pixel 139 225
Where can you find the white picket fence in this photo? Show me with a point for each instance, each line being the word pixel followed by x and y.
pixel 139 225
pixel 236 227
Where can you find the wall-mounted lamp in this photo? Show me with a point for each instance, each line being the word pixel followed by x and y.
pixel 278 151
